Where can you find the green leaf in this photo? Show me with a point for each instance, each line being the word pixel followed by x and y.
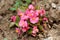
pixel 17 20
pixel 28 1
pixel 12 9
pixel 24 4
pixel 30 31
pixel 16 4
pixel 40 27
pixel 46 14
pixel 19 3
pixel 14 38
pixel 5 39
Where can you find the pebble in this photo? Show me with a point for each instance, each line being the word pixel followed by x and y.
pixel 11 24
pixel 47 7
pixel 58 7
pixel 53 5
pixel 1 17
pixel 49 38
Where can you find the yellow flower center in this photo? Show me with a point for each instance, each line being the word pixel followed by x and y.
pixel 23 23
pixel 33 18
pixel 30 14
pixel 16 31
pixel 21 14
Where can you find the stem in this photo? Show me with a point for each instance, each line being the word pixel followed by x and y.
pixel 30 24
pixel 41 26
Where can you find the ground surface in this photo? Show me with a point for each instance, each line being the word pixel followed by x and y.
pixel 53 15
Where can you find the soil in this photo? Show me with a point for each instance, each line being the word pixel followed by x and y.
pixel 53 15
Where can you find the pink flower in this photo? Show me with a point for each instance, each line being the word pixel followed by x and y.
pixel 27 11
pixel 31 7
pixel 24 29
pixel 34 20
pixel 13 18
pixel 45 19
pixel 20 13
pixel 42 12
pixel 23 23
pixel 37 12
pixel 24 17
pixel 35 30
pixel 18 30
pixel 31 14
pixel 34 34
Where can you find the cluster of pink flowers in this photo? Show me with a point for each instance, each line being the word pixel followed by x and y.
pixel 33 16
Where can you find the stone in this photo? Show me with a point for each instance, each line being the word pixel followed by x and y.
pixel 47 7
pixel 53 5
pixel 5 5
